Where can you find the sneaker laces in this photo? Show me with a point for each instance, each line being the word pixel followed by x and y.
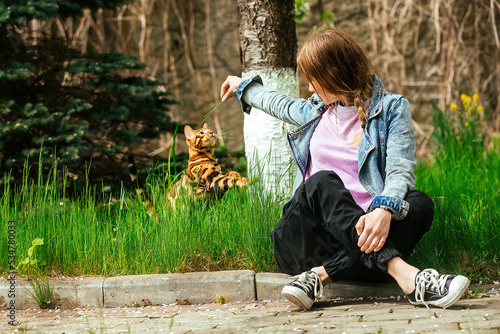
pixel 429 280
pixel 311 281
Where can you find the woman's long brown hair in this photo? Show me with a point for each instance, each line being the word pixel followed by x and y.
pixel 331 59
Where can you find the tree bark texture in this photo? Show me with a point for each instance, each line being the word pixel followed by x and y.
pixel 267 34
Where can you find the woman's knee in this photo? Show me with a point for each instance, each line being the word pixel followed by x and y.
pixel 324 177
pixel 421 206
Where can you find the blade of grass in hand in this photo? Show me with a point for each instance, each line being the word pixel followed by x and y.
pixel 211 111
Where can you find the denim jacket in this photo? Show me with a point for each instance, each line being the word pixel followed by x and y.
pixel 386 154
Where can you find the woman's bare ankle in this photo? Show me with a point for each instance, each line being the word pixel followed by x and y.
pixel 403 273
pixel 325 279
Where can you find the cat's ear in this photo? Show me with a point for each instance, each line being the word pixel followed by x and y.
pixel 205 126
pixel 189 132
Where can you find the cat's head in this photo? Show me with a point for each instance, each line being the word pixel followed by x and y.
pixel 203 138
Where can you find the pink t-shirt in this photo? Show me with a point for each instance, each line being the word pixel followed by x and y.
pixel 330 150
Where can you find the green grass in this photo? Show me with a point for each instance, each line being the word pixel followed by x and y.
pixel 42 293
pixel 93 234
pixel 463 179
pixel 466 195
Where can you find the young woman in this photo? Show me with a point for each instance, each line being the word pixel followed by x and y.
pixel 354 213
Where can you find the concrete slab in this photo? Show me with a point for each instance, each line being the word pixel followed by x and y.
pixel 269 285
pixel 353 290
pixel 68 292
pixel 16 292
pixel 201 287
pixel 79 292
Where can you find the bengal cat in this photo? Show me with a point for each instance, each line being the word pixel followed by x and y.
pixel 203 176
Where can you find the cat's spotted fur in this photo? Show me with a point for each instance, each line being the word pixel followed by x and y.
pixel 203 176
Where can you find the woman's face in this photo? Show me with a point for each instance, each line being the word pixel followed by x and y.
pixel 327 98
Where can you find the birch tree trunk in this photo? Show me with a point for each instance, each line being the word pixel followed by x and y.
pixel 268 47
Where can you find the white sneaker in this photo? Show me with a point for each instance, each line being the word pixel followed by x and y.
pixel 304 289
pixel 431 288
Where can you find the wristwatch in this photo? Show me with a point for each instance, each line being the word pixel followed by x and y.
pixel 383 207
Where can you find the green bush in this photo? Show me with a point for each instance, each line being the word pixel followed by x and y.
pixel 66 106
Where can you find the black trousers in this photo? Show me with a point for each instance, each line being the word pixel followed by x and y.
pixel 318 229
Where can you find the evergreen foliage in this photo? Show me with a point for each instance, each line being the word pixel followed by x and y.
pixel 64 106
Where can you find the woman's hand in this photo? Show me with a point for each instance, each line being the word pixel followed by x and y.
pixel 229 87
pixel 373 229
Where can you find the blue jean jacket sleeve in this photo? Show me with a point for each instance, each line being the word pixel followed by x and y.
pixel 242 87
pixel 251 93
pixel 401 151
pixel 400 160
pixel 398 207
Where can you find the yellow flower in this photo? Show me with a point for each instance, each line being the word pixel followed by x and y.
pixel 475 100
pixel 221 299
pixel 466 124
pixel 453 106
pixel 479 109
pixel 466 101
pixel 458 137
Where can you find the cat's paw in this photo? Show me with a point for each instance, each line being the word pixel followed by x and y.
pixel 233 174
pixel 243 182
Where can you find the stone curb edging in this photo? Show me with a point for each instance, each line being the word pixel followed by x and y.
pixel 193 288
pixel 70 292
pixel 196 288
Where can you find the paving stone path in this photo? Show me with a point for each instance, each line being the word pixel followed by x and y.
pixel 359 316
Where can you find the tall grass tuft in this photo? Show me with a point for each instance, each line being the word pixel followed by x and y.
pixel 463 178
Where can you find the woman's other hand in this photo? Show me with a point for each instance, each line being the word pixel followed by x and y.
pixel 229 87
pixel 373 229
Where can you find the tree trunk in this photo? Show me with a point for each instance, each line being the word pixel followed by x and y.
pixel 268 47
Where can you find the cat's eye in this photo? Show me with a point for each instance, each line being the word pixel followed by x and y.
pixel 201 132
